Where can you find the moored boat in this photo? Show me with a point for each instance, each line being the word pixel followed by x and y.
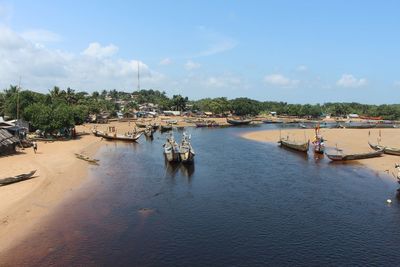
pixel 345 157
pixel 171 150
pixel 302 147
pixel 319 145
pixel 386 149
pixel 148 132
pixel 186 150
pixel 130 137
pixel 164 128
pixel 239 121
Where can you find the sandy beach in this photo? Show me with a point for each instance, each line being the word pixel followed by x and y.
pixel 350 140
pixel 59 172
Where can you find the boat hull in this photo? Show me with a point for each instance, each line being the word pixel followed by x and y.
pixel 238 122
pixel 344 157
pixel 386 150
pixel 302 147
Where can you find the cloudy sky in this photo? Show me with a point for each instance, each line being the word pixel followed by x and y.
pixel 294 51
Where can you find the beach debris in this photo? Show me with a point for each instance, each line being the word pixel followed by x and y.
pixel 389 201
pixel 18 178
pixel 88 159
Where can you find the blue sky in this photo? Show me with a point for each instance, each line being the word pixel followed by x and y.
pixel 294 51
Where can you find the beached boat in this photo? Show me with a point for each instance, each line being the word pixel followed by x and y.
pixel 18 178
pixel 186 150
pixel 171 150
pixel 238 122
pixel 302 147
pixel 357 126
pixel 386 149
pixel 119 137
pixel 141 125
pixel 339 156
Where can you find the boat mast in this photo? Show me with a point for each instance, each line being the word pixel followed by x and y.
pixel 138 76
pixel 18 88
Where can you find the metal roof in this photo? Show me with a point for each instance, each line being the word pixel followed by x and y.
pixel 6 138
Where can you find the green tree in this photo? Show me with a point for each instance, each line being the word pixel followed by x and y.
pixel 244 106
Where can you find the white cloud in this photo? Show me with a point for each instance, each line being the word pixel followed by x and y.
pixel 96 50
pixel 190 65
pixel 280 80
pixel 348 80
pixel 42 68
pixel 224 80
pixel 302 68
pixel 165 61
pixel 41 36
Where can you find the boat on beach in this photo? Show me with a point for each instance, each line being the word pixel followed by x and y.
pixel 141 125
pixel 186 150
pixel 239 121
pixel 340 156
pixel 130 137
pixel 302 147
pixel 386 149
pixel 171 150
pixel 18 178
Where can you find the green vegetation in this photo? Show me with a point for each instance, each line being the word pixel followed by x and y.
pixel 59 110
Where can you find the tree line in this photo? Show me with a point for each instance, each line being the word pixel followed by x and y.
pixel 62 109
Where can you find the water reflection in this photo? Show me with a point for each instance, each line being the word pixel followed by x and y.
pixel 172 169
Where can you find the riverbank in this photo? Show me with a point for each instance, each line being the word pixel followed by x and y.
pixel 59 173
pixel 350 140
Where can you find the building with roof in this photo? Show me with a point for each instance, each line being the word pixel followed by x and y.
pixel 8 142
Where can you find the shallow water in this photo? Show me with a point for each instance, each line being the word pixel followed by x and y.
pixel 242 203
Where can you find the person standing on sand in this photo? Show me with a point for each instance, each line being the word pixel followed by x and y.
pixel 34 147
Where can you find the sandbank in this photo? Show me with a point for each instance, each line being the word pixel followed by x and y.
pixel 23 205
pixel 350 140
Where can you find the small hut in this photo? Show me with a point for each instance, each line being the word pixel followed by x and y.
pixel 8 142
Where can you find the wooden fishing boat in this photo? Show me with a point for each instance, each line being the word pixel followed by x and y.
pixel 149 132
pixel 386 149
pixel 357 126
pixel 238 122
pixel 165 128
pixel 119 137
pixel 171 150
pixel 272 121
pixel 302 147
pixel 141 125
pixel 88 159
pixel 186 150
pixel 18 178
pixel 155 126
pixel 345 157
